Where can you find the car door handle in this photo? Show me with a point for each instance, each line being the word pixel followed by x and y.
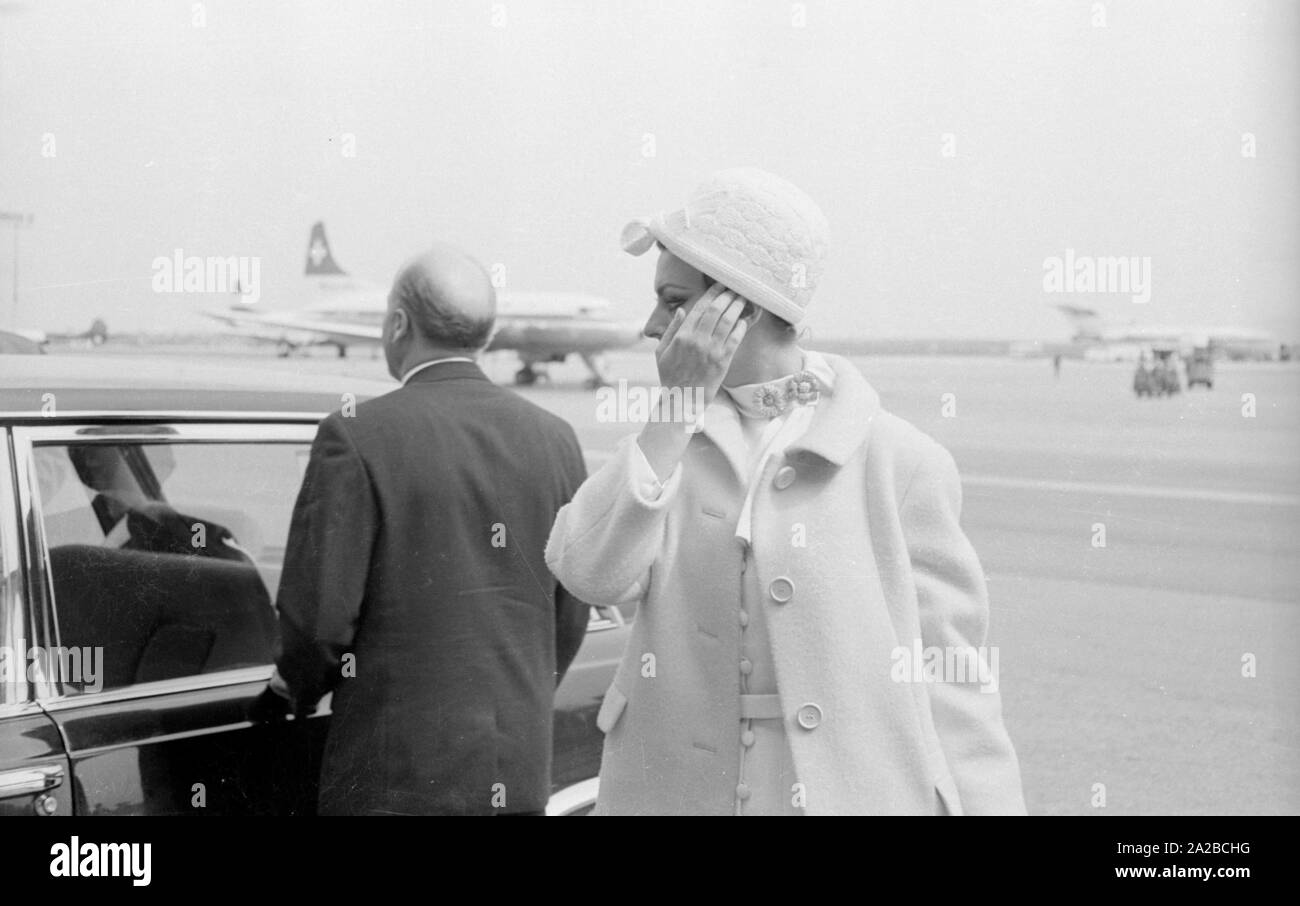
pixel 28 781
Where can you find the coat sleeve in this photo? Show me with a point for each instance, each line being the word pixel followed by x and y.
pixel 953 599
pixel 571 612
pixel 326 565
pixel 606 539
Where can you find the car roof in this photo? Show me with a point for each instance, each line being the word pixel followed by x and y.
pixel 128 384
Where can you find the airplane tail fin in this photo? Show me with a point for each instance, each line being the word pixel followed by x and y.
pixel 1087 323
pixel 320 262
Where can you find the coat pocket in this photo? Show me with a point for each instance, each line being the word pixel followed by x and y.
pixel 611 709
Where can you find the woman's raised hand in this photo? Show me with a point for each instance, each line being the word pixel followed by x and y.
pixel 697 347
pixel 695 351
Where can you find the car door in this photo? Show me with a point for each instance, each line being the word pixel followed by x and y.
pixel 154 549
pixel 33 766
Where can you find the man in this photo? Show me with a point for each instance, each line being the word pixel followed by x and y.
pixel 414 583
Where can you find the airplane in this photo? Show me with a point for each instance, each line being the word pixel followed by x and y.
pixel 1100 339
pixel 97 335
pixel 540 327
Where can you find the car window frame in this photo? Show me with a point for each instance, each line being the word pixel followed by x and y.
pixel 43 608
pixel 14 625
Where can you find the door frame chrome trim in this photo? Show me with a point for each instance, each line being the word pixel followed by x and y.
pixel 13 596
pixel 198 683
pixel 29 418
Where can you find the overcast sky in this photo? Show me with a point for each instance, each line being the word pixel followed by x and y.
pixel 518 130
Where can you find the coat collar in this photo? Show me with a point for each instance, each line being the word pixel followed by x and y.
pixel 446 371
pixel 839 426
pixel 843 420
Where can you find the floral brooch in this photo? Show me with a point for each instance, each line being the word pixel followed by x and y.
pixel 770 400
pixel 802 389
pixel 805 388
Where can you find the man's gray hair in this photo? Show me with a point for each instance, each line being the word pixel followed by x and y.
pixel 436 317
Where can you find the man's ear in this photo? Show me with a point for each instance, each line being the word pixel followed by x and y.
pixel 401 323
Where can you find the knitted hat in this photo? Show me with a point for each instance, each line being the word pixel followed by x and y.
pixel 751 231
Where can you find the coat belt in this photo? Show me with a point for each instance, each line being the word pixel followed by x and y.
pixel 760 707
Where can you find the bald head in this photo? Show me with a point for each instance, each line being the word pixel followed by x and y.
pixel 448 297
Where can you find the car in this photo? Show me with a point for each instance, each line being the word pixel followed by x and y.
pixel 130 675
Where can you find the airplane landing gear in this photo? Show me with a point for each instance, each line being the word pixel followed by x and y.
pixel 284 349
pixel 526 376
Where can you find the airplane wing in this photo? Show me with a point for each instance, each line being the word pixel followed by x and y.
pixel 275 327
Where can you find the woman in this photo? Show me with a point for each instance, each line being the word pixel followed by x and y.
pixel 791 550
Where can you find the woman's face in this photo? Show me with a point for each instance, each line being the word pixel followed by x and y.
pixel 677 285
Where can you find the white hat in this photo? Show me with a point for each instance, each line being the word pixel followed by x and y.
pixel 751 231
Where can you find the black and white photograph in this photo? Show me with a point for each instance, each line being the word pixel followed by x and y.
pixel 650 408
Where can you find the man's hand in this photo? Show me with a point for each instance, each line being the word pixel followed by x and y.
pixel 278 685
pixel 274 704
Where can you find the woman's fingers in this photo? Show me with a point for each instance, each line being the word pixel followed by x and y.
pixel 673 326
pixel 741 325
pixel 728 320
pixel 701 306
pixel 689 319
pixel 697 346
pixel 710 313
pixel 733 340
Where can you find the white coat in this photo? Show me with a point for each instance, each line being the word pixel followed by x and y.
pixel 859 546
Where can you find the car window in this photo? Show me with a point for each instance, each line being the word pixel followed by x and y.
pixel 167 555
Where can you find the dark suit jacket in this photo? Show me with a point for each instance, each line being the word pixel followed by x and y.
pixel 417 547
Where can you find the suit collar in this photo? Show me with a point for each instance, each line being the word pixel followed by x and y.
pixel 445 371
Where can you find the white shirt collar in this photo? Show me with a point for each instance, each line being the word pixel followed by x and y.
pixel 423 365
pixel 722 421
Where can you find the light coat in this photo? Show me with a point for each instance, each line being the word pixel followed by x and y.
pixel 866 544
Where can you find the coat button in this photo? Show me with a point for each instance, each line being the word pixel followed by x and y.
pixel 747 738
pixel 746 666
pixel 781 589
pixel 742 791
pixel 784 477
pixel 744 618
pixel 809 716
